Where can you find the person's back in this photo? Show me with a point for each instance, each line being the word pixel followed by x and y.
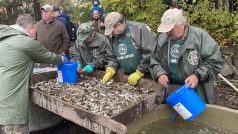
pixel 63 17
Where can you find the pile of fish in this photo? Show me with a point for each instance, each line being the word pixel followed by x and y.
pixel 92 95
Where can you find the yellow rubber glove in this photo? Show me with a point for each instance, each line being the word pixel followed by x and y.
pixel 133 78
pixel 109 73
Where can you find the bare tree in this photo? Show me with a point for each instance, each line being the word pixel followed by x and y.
pixel 37 11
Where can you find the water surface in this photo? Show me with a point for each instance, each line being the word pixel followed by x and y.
pixel 166 126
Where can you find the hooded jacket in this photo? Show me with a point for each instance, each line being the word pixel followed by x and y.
pixel 19 52
pixel 200 55
pixel 98 53
pixel 64 18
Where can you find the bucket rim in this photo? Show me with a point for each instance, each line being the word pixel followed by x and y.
pixel 70 64
pixel 177 93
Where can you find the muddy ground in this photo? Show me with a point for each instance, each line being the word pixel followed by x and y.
pixel 226 96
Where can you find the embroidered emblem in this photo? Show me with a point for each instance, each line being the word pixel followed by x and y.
pixel 175 51
pixel 96 53
pixel 122 49
pixel 193 57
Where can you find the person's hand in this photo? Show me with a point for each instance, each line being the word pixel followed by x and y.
pixel 109 73
pixel 102 24
pixel 133 78
pixel 79 68
pixel 65 60
pixel 163 80
pixel 88 68
pixel 191 81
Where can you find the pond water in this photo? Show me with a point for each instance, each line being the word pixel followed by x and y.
pixel 166 126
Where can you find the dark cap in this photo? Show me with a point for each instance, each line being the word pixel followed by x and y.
pixel 84 30
pixel 55 8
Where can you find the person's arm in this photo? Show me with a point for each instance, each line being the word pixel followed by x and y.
pixel 156 70
pixel 78 56
pixel 40 54
pixel 212 61
pixel 148 41
pixel 106 56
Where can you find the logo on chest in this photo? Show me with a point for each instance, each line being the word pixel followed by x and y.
pixel 175 50
pixel 193 57
pixel 122 49
pixel 96 53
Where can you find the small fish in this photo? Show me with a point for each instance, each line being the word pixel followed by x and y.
pixel 92 95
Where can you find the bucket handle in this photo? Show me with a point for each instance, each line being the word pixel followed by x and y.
pixel 174 116
pixel 181 88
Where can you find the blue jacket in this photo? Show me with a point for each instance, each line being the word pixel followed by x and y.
pixel 64 18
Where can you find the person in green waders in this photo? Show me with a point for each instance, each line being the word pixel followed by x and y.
pixel 185 54
pixel 132 43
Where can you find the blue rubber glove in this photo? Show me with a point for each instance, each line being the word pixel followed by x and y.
pixel 79 65
pixel 65 60
pixel 88 69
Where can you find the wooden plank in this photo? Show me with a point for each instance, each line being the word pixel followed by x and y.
pixel 138 109
pixel 95 123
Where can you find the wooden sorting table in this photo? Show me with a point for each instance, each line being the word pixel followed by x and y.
pixel 96 123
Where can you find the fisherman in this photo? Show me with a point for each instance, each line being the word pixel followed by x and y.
pixel 185 54
pixel 132 43
pixel 93 50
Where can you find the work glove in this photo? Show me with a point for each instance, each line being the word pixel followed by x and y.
pixel 65 60
pixel 133 78
pixel 79 68
pixel 109 73
pixel 88 68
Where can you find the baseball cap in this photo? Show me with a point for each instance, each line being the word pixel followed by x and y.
pixel 169 19
pixel 47 7
pixel 84 30
pixel 110 20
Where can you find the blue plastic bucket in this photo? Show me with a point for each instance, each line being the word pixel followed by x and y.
pixel 186 102
pixel 67 73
